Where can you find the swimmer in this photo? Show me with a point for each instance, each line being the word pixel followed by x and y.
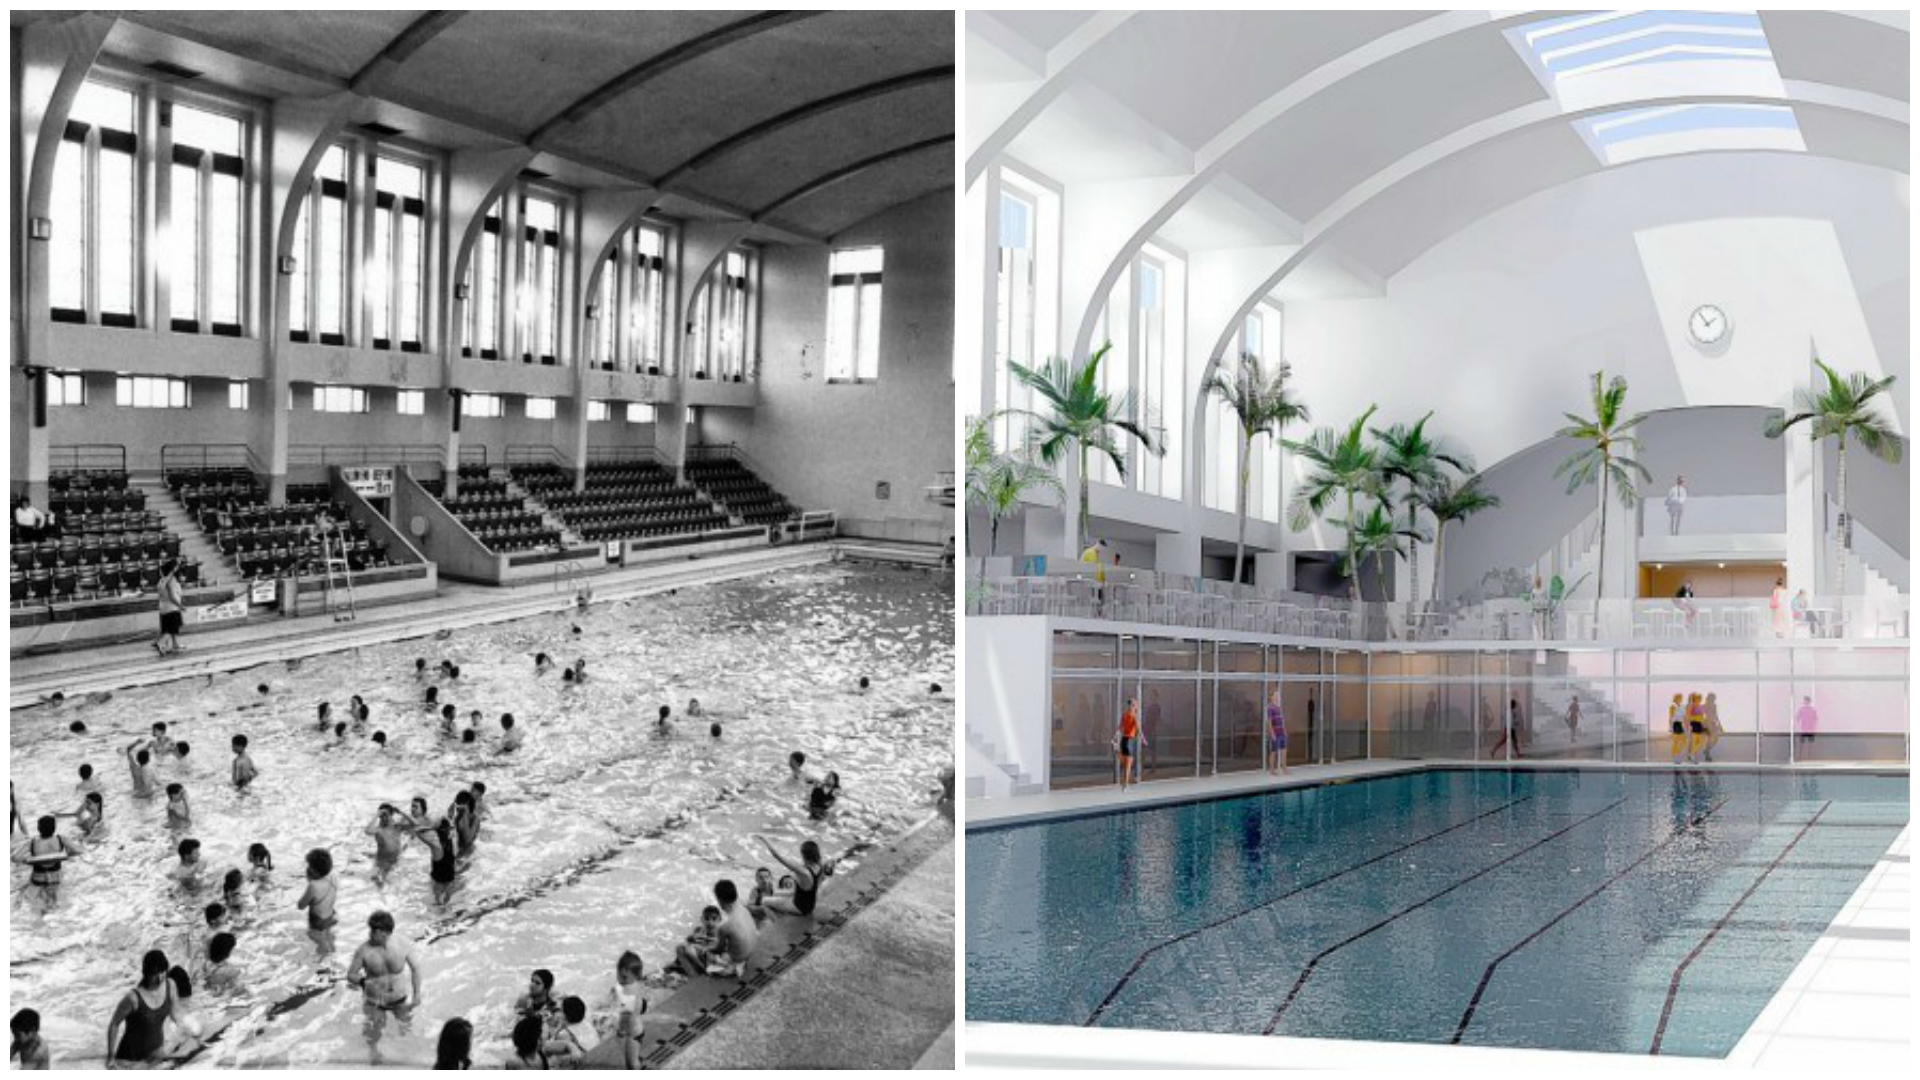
pixel 443 869
pixel 865 684
pixel 934 689
pixel 264 689
pixel 141 764
pixel 569 1041
pixel 77 727
pixel 510 736
pixel 222 976
pixel 713 729
pixel 44 854
pixel 243 770
pixel 160 745
pixel 579 668
pixel 259 861
pixel 230 890
pixel 620 1016
pixel 453 671
pixel 180 754
pixel 469 737
pixel 187 872
pixel 455 1051
pixel 479 792
pixel 432 700
pixel 326 715
pixel 785 887
pixel 420 667
pixel 823 796
pixel 797 766
pixel 693 707
pixel 384 971
pixel 762 891
pixel 87 782
pixel 93 810
pixel 466 822
pixel 538 1000
pixel 27 1045
pixel 566 675
pixel 808 875
pixel 339 733
pixel 380 739
pixel 662 726
pixel 179 813
pixel 319 899
pixel 448 718
pixel 360 710
pixel 389 830
pixel 143 1013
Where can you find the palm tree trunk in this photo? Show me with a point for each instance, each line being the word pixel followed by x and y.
pixel 1439 562
pixel 1353 563
pixel 1600 579
pixel 1240 541
pixel 1846 523
pixel 1413 553
pixel 1085 526
pixel 993 542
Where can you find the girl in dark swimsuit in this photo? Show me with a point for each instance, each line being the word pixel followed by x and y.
pixel 443 868
pixel 807 875
pixel 142 1013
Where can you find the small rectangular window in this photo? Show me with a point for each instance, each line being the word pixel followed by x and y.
pixel 483 406
pixel 66 390
pixel 596 411
pixel 540 408
pixel 339 399
pixel 237 394
pixel 143 392
pixel 410 403
pixel 639 413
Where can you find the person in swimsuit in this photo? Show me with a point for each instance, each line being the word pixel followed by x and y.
pixel 87 782
pixel 187 873
pixel 528 1053
pixel 92 812
pixel 510 736
pixel 223 974
pixel 389 830
pixel 179 813
pixel 455 1052
pixel 807 875
pixel 380 969
pixel 624 1006
pixel 1276 736
pixel 761 892
pixel 797 767
pixel 44 854
pixel 172 609
pixel 319 899
pixel 538 1000
pixel 737 933
pixel 663 726
pixel 140 763
pixel 466 823
pixel 1125 739
pixel 259 861
pixel 326 716
pixel 161 744
pixel 28 1046
pixel 443 868
pixel 243 770
pixel 1696 728
pixel 823 796
pixel 143 1013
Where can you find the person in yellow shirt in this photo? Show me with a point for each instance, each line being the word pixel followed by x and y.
pixel 1096 554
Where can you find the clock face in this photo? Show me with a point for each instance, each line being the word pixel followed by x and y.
pixel 1708 324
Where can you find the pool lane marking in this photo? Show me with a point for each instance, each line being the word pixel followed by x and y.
pixel 1486 977
pixel 1141 960
pixel 1673 984
pixel 1313 964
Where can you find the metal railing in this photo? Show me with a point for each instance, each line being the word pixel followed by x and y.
pixel 178 456
pixel 535 454
pixel 324 454
pixel 622 455
pixel 472 455
pixel 1143 596
pixel 73 458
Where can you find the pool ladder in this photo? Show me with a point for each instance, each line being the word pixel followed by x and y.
pixel 339 573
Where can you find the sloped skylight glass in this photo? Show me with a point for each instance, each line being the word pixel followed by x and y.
pixel 1592 60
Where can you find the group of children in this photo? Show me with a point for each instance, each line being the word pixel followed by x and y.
pixel 1694 723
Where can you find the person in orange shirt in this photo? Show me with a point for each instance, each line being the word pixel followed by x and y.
pixel 1126 739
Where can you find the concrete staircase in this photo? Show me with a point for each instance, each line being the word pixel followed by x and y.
pixel 1021 783
pixel 215 568
pixel 547 517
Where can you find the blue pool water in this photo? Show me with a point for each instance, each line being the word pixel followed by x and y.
pixel 1629 912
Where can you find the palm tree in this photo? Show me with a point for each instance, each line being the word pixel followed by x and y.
pixel 1449 502
pixel 1376 534
pixel 998 482
pixel 1263 406
pixel 1408 457
pixel 1607 433
pixel 1842 408
pixel 1082 418
pixel 1344 468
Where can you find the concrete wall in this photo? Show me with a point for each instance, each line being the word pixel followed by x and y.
pixel 827 446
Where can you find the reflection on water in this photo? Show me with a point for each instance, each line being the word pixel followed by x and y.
pixel 601 835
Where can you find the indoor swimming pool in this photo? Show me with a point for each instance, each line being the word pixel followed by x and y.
pixel 1595 910
pixel 602 835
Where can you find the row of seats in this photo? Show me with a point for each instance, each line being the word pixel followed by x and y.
pixel 130 577
pixel 73 503
pixel 283 560
pixel 79 551
pixel 84 525
pixel 87 480
pixel 742 493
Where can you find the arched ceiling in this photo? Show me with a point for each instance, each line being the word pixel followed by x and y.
pixel 766 103
pixel 1170 94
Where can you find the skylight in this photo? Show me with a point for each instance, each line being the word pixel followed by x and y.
pixel 1593 60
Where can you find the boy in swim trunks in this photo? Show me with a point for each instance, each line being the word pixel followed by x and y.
pixel 381 969
pixel 319 899
pixel 187 873
pixel 141 764
pixel 179 813
pixel 243 770
pixel 388 836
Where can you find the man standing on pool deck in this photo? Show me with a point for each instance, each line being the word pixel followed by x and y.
pixel 172 606
pixel 1276 736
pixel 1124 739
pixel 377 969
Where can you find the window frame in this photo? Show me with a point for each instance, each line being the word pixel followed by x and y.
pixel 404 396
pixel 127 391
pixel 357 399
pixel 550 407
pixel 93 142
pixel 206 166
pixel 858 283
pixel 72 392
pixel 390 213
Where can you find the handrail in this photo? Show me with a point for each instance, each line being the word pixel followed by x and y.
pixel 208 455
pixel 618 454
pixel 472 454
pixel 88 456
pixel 534 454
pixel 327 454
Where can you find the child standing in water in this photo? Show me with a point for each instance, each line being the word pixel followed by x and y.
pixel 243 770
pixel 319 899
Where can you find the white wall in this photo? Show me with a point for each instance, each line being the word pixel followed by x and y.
pixel 827 446
pixel 1008 673
pixel 1497 327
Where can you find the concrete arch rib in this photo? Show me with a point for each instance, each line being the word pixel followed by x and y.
pixel 1062 63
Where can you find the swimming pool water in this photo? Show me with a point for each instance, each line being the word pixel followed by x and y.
pixel 601 836
pixel 1630 912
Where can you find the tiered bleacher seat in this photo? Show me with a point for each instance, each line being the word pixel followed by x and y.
pixel 499 520
pixel 622 500
pixel 271 541
pixel 738 491
pixel 108 546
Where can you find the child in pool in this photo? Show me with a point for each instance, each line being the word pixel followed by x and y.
pixel 510 736
pixel 27 1045
pixel 319 899
pixel 179 814
pixel 222 975
pixel 325 715
pixel 762 890
pixel 259 861
pixel 705 939
pixel 243 769
pixel 623 1006
pixel 187 872
pixel 87 782
pixel 230 891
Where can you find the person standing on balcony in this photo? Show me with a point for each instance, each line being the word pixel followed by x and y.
pixel 1683 599
pixel 1676 504
pixel 1782 610
pixel 1096 554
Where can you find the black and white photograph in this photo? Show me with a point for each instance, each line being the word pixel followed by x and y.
pixel 483 539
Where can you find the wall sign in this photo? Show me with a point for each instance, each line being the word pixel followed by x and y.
pixel 369 481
